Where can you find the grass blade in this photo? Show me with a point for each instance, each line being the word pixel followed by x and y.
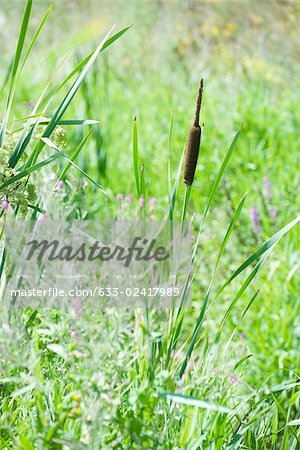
pixel 193 401
pixel 135 152
pixel 15 65
pixel 67 100
pixel 82 63
pixel 53 146
pixel 27 171
pixel 216 184
pixel 74 156
pixel 201 317
pixel 264 248
pixel 36 35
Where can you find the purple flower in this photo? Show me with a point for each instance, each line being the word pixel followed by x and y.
pixel 243 336
pixel 129 198
pixel 59 185
pixel 233 380
pixel 152 217
pixel 152 202
pixel 274 213
pixel 255 220
pixel 267 188
pixel 119 196
pixel 77 306
pixel 4 205
pixel 141 202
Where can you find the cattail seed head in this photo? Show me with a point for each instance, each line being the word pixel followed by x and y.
pixel 193 144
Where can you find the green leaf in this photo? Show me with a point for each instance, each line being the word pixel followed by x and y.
pixel 193 401
pixel 87 58
pixel 27 171
pixel 67 100
pixel 53 146
pixel 135 153
pixel 74 156
pixel 294 423
pixel 201 317
pixel 36 35
pixel 216 184
pixel 265 247
pixel 15 65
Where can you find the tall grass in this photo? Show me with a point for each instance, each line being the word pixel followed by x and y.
pixel 88 378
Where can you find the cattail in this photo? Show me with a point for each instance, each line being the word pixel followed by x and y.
pixel 193 145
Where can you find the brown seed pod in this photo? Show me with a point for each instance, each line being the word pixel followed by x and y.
pixel 193 145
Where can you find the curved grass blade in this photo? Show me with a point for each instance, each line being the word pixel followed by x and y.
pixel 242 289
pixel 216 184
pixel 23 139
pixel 82 63
pixel 36 35
pixel 66 101
pixel 201 317
pixel 264 248
pixel 193 401
pixel 15 65
pixel 27 171
pixel 53 146
pixel 135 153
pixel 74 156
pixel 72 122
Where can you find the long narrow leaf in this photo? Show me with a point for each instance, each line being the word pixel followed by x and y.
pixel 27 171
pixel 202 314
pixel 256 255
pixel 216 184
pixel 74 156
pixel 53 146
pixel 82 63
pixel 15 65
pixel 135 154
pixel 36 35
pixel 67 100
pixel 193 401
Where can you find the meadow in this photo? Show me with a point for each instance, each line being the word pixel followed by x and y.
pixel 82 113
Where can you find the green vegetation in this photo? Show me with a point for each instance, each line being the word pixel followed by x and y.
pixel 91 122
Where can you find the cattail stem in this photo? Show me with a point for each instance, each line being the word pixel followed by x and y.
pixel 193 145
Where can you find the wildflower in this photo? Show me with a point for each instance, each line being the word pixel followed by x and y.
pixel 152 202
pixel 84 183
pixel 233 380
pixel 267 188
pixel 255 220
pixel 59 185
pixel 152 217
pixel 141 202
pixel 129 198
pixel 119 196
pixel 274 213
pixel 5 205
pixel 243 336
